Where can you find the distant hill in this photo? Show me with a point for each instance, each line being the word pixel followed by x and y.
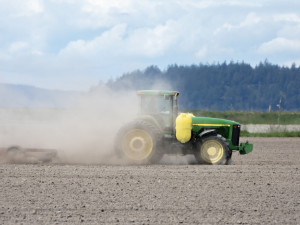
pixel 28 96
pixel 222 87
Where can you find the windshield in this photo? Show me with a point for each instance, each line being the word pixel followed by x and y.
pixel 153 104
pixel 159 106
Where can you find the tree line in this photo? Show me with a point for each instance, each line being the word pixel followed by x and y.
pixel 222 86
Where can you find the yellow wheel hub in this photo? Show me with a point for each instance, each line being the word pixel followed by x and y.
pixel 211 151
pixel 137 144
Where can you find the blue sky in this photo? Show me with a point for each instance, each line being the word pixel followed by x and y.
pixel 75 44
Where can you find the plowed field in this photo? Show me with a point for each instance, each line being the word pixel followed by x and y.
pixel 262 187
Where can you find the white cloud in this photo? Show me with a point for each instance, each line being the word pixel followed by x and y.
pixel 20 8
pixel 106 43
pixel 291 17
pixel 104 6
pixel 205 4
pixel 34 6
pixel 18 46
pixel 101 13
pixel 152 42
pixel 119 42
pixel 243 3
pixel 251 19
pixel 278 45
pixel 100 39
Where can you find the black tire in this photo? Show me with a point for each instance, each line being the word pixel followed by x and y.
pixel 213 150
pixel 15 154
pixel 139 143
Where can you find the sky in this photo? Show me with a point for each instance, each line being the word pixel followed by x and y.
pixel 76 44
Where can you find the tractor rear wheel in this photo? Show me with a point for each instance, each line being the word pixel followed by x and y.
pixel 138 142
pixel 213 150
pixel 15 154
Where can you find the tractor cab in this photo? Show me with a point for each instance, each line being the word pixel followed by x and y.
pixel 161 106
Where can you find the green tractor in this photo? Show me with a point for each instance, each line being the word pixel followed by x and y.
pixel 159 130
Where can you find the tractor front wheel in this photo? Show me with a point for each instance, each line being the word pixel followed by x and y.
pixel 138 142
pixel 213 150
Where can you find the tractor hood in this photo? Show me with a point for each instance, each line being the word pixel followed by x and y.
pixel 211 122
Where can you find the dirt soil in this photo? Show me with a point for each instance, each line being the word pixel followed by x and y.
pixel 260 188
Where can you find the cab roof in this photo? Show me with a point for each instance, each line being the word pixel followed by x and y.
pixel 157 92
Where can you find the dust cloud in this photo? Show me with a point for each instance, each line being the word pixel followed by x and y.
pixel 84 131
pixel 81 133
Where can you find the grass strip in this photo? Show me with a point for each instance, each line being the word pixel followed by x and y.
pixel 252 117
pixel 271 134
